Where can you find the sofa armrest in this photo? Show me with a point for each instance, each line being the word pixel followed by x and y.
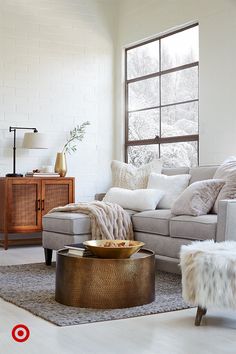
pixel 226 225
pixel 100 196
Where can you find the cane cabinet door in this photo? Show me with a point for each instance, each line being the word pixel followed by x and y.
pixel 56 192
pixel 24 209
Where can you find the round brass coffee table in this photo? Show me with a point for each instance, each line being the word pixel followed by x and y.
pixel 105 283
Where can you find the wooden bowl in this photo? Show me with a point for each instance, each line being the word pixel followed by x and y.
pixel 113 248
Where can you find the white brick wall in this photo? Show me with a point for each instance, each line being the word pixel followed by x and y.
pixel 56 71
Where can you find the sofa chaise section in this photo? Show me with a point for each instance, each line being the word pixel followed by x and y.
pixel 60 229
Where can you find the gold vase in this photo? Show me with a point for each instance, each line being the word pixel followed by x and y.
pixel 60 164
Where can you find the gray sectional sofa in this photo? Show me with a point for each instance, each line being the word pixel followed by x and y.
pixel 161 231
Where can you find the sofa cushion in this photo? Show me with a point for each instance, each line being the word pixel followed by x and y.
pixel 201 173
pixel 194 227
pixel 153 221
pixel 170 171
pixel 69 223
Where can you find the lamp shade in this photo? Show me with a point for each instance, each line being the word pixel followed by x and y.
pixel 35 141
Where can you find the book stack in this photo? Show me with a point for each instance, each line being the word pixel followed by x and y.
pixel 42 174
pixel 78 249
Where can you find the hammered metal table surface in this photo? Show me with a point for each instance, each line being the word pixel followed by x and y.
pixel 105 283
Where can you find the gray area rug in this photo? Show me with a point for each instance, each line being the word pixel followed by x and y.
pixel 32 287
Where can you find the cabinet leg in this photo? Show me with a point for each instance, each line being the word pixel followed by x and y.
pixel 5 240
pixel 48 256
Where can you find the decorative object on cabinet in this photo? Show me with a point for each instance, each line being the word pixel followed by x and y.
pixel 77 134
pixel 42 174
pixel 60 164
pixel 26 200
pixel 33 140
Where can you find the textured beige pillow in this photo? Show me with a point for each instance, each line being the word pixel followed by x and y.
pixel 227 169
pixel 226 172
pixel 130 177
pixel 198 198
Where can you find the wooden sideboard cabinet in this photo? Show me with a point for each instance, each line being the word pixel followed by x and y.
pixel 24 201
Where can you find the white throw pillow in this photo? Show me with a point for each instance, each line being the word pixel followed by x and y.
pixel 130 177
pixel 139 199
pixel 172 186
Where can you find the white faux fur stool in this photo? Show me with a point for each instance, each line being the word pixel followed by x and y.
pixel 209 275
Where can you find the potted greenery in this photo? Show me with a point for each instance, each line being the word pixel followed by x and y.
pixel 76 134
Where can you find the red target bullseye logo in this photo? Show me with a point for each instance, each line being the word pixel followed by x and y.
pixel 20 333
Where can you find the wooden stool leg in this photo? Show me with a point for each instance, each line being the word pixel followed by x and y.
pixel 200 312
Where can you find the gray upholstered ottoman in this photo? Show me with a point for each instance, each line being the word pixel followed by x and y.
pixel 60 229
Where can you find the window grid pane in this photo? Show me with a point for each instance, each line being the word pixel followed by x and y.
pixel 179 120
pixel 180 154
pixel 179 86
pixel 142 154
pixel 143 94
pixel 143 60
pixel 144 124
pixel 180 48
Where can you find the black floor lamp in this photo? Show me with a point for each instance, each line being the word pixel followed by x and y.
pixel 33 140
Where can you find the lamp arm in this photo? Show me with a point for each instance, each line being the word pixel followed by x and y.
pixel 11 129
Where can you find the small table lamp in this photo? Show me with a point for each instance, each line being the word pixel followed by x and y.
pixel 33 140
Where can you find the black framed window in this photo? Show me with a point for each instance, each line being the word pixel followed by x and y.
pixel 161 99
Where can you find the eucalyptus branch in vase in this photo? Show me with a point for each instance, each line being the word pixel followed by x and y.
pixel 77 134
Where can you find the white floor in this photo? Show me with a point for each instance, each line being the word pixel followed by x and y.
pixel 169 333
